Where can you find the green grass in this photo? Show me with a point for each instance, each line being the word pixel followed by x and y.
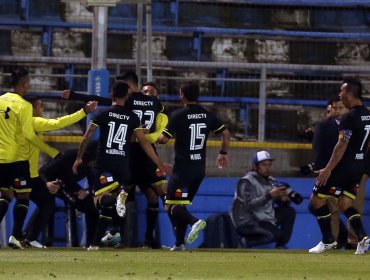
pixel 191 264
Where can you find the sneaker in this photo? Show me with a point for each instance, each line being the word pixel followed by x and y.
pixel 111 240
pixel 120 205
pixel 36 244
pixel 362 246
pixel 93 248
pixel 14 243
pixel 194 232
pixel 178 248
pixel 321 247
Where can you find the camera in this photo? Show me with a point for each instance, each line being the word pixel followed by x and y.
pixel 307 169
pixel 295 197
pixel 66 195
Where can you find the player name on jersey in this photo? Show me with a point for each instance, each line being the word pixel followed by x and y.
pixel 360 156
pixel 365 118
pixel 197 116
pixel 115 152
pixel 119 116
pixel 143 103
pixel 195 156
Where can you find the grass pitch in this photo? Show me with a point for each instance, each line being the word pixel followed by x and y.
pixel 191 264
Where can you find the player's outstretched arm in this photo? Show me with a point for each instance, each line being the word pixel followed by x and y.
pixel 43 125
pixel 72 95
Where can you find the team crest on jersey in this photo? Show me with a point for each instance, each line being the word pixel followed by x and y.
pixel 332 191
pixel 19 183
pixel 106 178
pixel 181 193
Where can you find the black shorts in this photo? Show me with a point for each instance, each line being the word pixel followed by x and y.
pixel 15 176
pixel 342 181
pixel 184 183
pixel 144 171
pixel 109 178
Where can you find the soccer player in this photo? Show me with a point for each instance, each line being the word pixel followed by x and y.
pixel 147 108
pixel 63 183
pixel 341 175
pixel 150 112
pixel 39 193
pixel 157 186
pixel 16 132
pixel 190 126
pixel 117 124
pixel 144 171
pixel 324 141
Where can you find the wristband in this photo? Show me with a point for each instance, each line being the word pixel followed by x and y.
pixel 223 152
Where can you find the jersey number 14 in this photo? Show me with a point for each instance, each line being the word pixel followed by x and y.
pixel 118 137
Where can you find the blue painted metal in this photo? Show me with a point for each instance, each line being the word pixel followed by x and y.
pixel 221 83
pixel 174 8
pixel 47 39
pixel 25 9
pixel 69 71
pixel 197 44
pixel 194 29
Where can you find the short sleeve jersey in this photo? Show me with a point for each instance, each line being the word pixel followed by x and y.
pixel 16 130
pixel 355 128
pixel 146 108
pixel 117 125
pixel 191 126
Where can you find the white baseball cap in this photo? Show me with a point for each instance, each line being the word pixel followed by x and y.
pixel 261 156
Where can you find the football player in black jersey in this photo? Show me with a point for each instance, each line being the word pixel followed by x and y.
pixel 148 108
pixel 153 186
pixel 150 112
pixel 190 126
pixel 117 124
pixel 341 175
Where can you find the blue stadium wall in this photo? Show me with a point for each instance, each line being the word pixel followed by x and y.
pixel 215 196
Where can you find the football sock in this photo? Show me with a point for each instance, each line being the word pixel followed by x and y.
pixel 151 219
pixel 180 212
pixel 354 218
pixel 323 216
pixel 180 233
pixel 105 219
pixel 19 213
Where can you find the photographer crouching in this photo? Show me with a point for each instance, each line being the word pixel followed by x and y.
pixel 261 210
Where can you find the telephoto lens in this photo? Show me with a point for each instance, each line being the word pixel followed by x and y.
pixel 295 197
pixel 70 198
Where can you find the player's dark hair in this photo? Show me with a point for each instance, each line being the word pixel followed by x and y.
pixel 190 90
pixel 151 84
pixel 128 76
pixel 119 89
pixel 17 76
pixel 333 98
pixel 354 86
